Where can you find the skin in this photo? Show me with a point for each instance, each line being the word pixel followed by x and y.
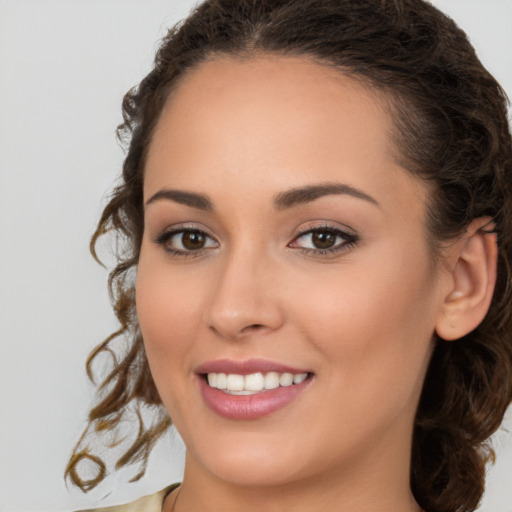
pixel 361 319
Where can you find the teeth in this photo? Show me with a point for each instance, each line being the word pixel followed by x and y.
pixel 271 380
pixel 212 379
pixel 236 384
pixel 254 382
pixel 301 377
pixel 221 381
pixel 286 379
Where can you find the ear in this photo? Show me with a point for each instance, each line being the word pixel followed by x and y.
pixel 472 269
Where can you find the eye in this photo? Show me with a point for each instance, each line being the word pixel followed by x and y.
pixel 324 240
pixel 185 241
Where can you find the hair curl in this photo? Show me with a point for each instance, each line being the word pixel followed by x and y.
pixel 451 129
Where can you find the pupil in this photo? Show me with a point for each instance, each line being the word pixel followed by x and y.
pixel 192 240
pixel 324 240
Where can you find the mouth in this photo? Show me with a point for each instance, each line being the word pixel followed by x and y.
pixel 249 390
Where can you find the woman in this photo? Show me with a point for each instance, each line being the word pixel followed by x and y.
pixel 315 221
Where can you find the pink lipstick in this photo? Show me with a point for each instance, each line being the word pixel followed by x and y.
pixel 251 389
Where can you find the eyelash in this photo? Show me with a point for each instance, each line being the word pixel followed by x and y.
pixel 165 237
pixel 349 240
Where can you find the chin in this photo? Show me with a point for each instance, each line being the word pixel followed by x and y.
pixel 254 474
pixel 249 462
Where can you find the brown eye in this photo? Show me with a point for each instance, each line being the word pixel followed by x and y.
pixel 323 239
pixel 193 240
pixel 186 241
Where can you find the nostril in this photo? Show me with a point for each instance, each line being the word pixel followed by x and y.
pixel 253 327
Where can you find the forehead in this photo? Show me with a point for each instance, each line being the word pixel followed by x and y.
pixel 275 90
pixel 278 121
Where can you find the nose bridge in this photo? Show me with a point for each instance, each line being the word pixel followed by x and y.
pixel 242 300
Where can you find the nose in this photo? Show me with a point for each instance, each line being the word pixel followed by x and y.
pixel 244 300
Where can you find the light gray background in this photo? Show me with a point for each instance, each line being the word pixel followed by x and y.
pixel 64 66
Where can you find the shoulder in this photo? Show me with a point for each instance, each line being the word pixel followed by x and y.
pixel 152 503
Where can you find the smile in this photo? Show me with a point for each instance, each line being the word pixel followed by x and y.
pixel 251 389
pixel 253 383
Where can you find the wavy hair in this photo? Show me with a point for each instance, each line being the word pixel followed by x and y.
pixel 451 129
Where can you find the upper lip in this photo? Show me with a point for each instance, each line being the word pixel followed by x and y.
pixel 246 367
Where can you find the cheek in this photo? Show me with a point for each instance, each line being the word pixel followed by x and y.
pixel 169 313
pixel 374 322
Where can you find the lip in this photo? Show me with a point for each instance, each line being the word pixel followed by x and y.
pixel 246 367
pixel 248 407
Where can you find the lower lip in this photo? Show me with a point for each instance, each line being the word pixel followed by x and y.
pixel 250 407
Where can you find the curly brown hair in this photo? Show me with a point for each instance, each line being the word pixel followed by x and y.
pixel 451 129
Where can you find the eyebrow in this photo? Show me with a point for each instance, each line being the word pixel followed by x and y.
pixel 199 201
pixel 307 194
pixel 282 201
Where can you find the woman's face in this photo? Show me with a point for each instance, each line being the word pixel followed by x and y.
pixel 283 243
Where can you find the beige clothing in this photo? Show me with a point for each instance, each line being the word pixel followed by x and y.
pixel 151 503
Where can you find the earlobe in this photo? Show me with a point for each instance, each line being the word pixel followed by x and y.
pixel 473 277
